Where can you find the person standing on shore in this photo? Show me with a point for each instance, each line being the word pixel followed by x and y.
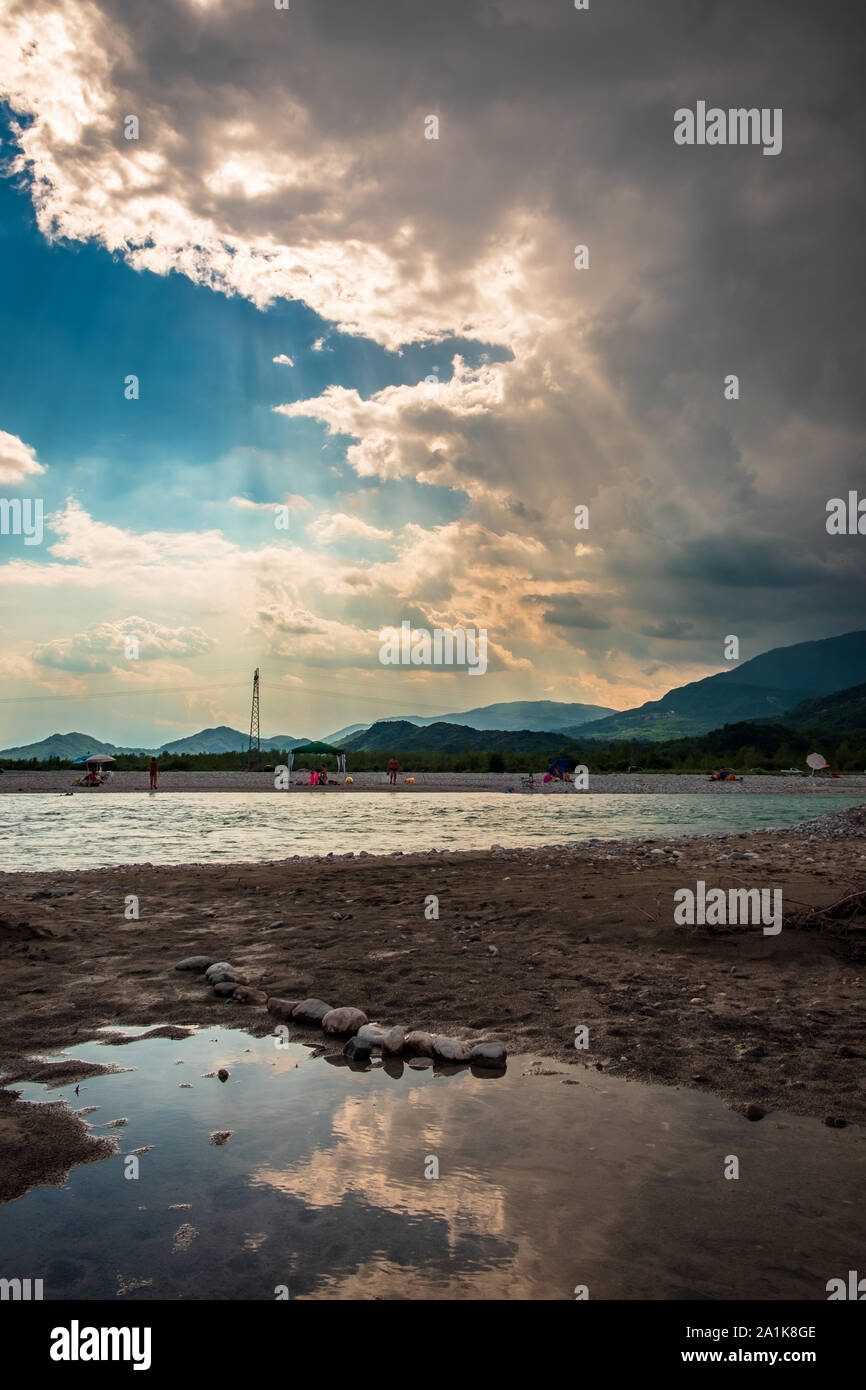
pixel 154 774
pixel 393 769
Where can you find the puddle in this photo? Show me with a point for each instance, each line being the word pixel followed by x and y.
pixel 320 1186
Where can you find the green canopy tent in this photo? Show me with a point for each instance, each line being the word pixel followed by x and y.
pixel 316 749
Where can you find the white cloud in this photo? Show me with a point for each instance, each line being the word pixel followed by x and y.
pixel 102 648
pixel 243 504
pixel 283 360
pixel 18 460
pixel 338 526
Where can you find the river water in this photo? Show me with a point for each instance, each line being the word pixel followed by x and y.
pixel 39 832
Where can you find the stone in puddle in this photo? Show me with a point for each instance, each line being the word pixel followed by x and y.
pixel 194 963
pixel 310 1011
pixel 488 1054
pixel 282 1008
pixel 420 1044
pixel 356 1051
pixel 345 1020
pixel 393 1042
pixel 245 995
pixel 372 1034
pixel 223 1074
pixel 452 1049
pixel 226 988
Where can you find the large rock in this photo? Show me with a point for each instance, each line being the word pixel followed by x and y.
pixel 356 1051
pixel 282 1008
pixel 452 1049
pixel 198 963
pixel 420 1044
pixel 393 1042
pixel 311 1011
pixel 344 1020
pixel 226 989
pixel 245 995
pixel 488 1054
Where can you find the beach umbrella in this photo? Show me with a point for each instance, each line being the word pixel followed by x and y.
pixel 99 758
pixel 817 761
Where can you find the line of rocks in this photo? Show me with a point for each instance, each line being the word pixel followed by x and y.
pixel 363 1037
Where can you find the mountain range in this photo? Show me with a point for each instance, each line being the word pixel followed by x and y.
pixel 75 745
pixel 761 688
pixel 765 687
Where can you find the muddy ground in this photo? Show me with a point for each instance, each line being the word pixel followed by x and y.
pixel 527 946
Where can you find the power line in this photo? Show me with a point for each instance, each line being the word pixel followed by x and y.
pixel 155 690
pixel 118 694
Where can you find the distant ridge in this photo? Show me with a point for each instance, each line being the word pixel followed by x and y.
pixel 402 736
pixel 75 745
pixel 761 688
pixel 520 715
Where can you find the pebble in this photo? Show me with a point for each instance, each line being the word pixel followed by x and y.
pixel 282 1008
pixel 356 1051
pixel 311 1011
pixel 216 967
pixel 345 1020
pixel 223 1074
pixel 393 1042
pixel 488 1054
pixel 245 995
pixel 420 1044
pixel 372 1034
pixel 194 963
pixel 226 988
pixel 452 1049
pixel 220 977
pixel 220 1136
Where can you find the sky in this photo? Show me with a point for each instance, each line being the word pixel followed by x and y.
pixel 386 335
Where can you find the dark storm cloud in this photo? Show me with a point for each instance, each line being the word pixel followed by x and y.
pixel 557 129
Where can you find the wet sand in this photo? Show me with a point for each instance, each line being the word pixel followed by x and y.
pixel 528 945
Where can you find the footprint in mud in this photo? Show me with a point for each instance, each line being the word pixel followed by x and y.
pixel 183 1238
pixel 130 1285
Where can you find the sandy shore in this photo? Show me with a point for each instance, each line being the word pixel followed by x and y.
pixel 619 782
pixel 528 945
